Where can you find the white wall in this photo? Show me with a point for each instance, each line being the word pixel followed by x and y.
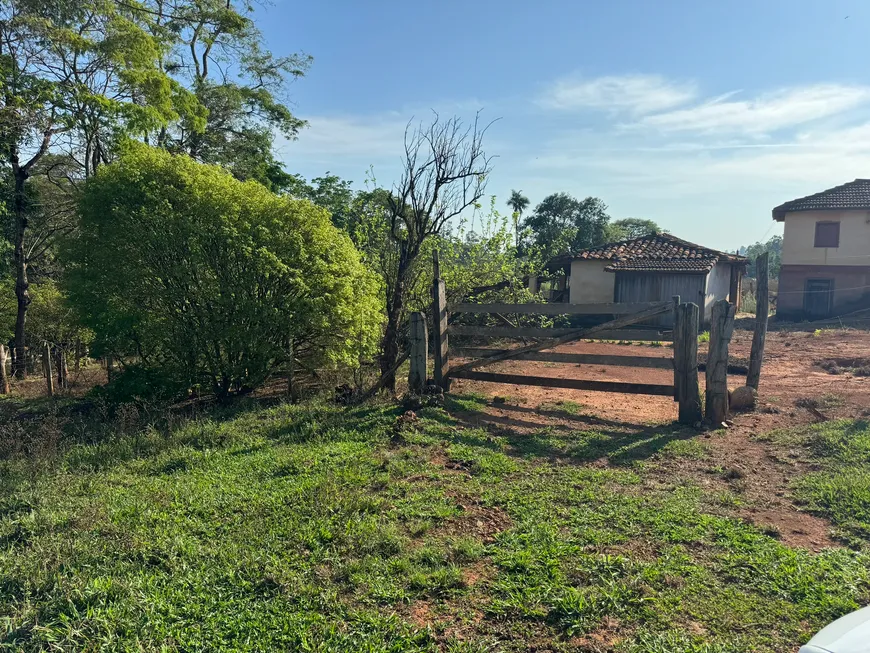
pixel 800 233
pixel 718 287
pixel 590 284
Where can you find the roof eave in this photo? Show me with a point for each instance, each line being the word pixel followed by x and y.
pixel 779 212
pixel 615 270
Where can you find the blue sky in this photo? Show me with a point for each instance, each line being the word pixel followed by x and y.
pixel 700 115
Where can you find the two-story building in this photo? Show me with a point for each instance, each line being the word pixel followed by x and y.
pixel 825 252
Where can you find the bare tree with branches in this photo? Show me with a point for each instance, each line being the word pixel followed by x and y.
pixel 445 173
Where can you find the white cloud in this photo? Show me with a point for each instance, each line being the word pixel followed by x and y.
pixel 637 94
pixel 678 168
pixel 764 114
pixel 330 139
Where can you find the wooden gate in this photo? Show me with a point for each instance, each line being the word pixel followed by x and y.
pixel 684 364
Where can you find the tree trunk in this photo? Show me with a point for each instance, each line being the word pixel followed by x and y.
pixel 390 343
pixel 4 380
pixel 419 353
pixel 22 285
pixel 62 370
pixel 46 369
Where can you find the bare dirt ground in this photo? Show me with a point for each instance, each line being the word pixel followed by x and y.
pixel 761 475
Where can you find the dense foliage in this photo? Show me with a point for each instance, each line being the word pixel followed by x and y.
pixel 774 247
pixel 631 228
pixel 180 266
pixel 561 224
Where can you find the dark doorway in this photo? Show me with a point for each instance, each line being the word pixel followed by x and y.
pixel 818 296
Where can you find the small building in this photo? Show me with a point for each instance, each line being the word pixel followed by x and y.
pixel 825 252
pixel 650 269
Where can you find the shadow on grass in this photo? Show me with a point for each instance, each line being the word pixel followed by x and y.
pixel 576 438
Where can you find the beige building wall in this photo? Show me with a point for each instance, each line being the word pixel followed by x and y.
pixel 800 233
pixel 590 284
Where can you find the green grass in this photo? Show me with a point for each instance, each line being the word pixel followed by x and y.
pixel 564 406
pixel 704 337
pixel 316 528
pixel 840 488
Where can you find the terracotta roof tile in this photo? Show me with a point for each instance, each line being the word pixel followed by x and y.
pixel 657 252
pixel 852 195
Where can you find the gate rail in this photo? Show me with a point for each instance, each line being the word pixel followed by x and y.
pixel 684 364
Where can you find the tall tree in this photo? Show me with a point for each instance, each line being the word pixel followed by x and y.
pixel 75 76
pixel 330 192
pixel 518 203
pixel 214 49
pixel 561 224
pixel 445 173
pixel 631 228
pixel 774 246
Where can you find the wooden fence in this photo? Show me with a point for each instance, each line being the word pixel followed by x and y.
pixel 684 363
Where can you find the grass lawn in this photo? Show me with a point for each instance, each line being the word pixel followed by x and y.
pixel 316 528
pixel 840 488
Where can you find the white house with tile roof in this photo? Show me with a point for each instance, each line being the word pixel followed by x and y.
pixel 650 269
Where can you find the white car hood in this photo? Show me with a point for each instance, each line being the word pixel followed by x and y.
pixel 849 634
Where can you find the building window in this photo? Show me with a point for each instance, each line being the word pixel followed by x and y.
pixel 827 234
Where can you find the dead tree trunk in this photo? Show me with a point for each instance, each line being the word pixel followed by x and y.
pixel 444 173
pixel 419 353
pixel 721 328
pixel 439 327
pixel 395 313
pixel 762 308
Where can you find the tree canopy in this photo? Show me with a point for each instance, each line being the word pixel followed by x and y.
pixel 561 224
pixel 774 246
pixel 631 228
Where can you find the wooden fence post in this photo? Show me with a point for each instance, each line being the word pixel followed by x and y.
pixel 419 353
pixel 46 368
pixel 676 300
pixel 762 308
pixel 687 392
pixel 4 378
pixel 439 326
pixel 721 328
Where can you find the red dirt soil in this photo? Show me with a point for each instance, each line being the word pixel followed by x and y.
pixel 754 470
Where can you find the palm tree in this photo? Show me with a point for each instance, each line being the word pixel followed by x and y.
pixel 519 203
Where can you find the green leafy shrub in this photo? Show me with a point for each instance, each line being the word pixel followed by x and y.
pixel 182 268
pixel 137 382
